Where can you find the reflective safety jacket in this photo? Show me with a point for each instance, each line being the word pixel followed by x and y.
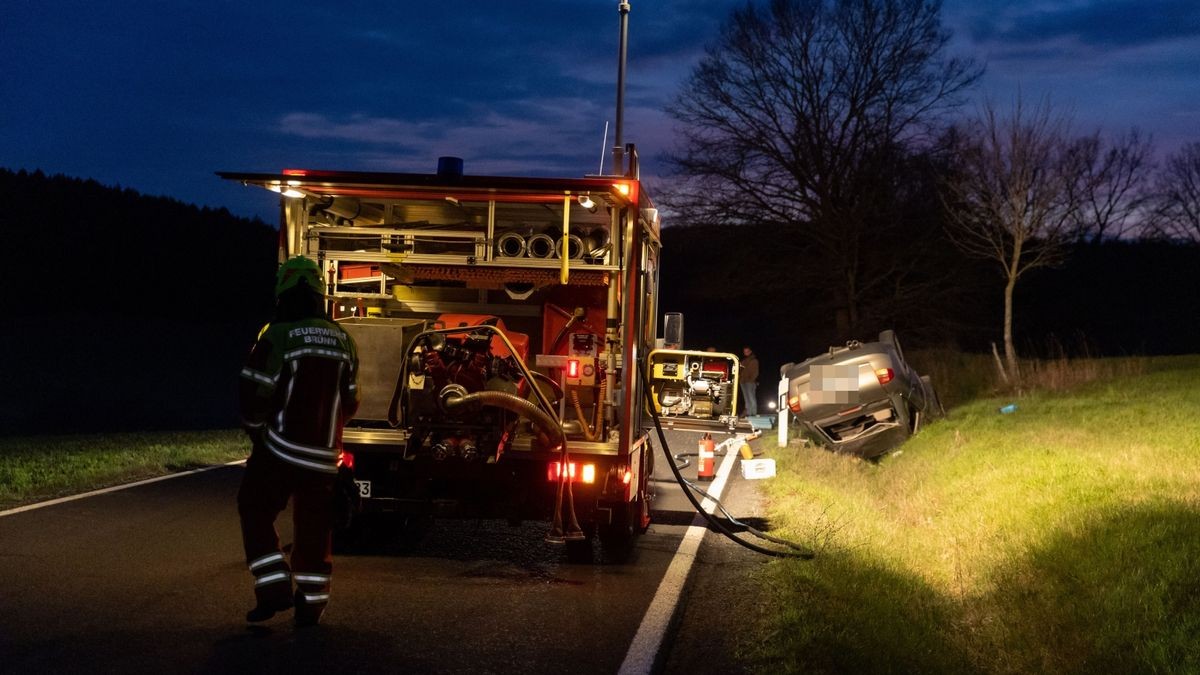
pixel 297 390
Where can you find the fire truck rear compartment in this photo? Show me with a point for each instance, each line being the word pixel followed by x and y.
pixel 483 461
pixel 498 321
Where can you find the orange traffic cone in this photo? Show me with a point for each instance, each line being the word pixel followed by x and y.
pixel 706 458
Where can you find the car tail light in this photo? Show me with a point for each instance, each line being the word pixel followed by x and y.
pixel 577 473
pixel 885 375
pixel 346 459
pixel 794 404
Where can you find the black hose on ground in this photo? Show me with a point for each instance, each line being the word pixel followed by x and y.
pixel 749 528
pixel 714 523
pixel 682 462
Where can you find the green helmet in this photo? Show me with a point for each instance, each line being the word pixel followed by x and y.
pixel 296 269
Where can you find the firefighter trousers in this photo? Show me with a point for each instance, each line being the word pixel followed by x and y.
pixel 267 485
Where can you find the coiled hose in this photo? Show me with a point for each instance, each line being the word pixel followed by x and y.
pixel 591 433
pixel 548 430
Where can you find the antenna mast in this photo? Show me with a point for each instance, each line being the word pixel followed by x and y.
pixel 603 148
pixel 618 132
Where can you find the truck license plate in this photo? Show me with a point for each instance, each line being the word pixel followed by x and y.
pixel 364 488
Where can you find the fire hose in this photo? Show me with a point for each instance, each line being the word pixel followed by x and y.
pixel 714 523
pixel 455 396
pixel 545 422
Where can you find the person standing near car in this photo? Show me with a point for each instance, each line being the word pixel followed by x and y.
pixel 297 390
pixel 748 381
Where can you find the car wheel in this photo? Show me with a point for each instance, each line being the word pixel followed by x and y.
pixel 933 402
pixel 889 337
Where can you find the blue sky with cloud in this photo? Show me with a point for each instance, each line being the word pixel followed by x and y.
pixel 158 95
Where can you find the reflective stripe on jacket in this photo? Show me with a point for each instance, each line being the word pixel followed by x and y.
pixel 298 388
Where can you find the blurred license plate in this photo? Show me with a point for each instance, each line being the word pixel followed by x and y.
pixel 834 384
pixel 364 488
pixel 835 378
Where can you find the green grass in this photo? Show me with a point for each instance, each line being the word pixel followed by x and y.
pixel 37 468
pixel 1063 538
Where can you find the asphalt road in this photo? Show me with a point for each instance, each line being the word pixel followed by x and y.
pixel 151 579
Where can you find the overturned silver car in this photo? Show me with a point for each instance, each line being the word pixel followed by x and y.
pixel 861 398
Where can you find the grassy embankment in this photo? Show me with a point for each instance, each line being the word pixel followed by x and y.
pixel 37 468
pixel 1062 538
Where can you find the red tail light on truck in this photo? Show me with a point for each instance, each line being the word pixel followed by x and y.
pixel 578 473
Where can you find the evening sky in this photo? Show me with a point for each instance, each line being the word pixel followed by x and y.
pixel 157 96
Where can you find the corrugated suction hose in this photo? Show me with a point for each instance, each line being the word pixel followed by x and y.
pixel 455 396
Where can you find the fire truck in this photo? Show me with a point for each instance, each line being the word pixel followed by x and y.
pixel 499 322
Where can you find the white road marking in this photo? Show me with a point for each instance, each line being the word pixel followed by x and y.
pixel 126 486
pixel 643 651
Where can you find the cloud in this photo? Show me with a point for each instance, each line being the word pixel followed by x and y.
pixel 1094 24
pixel 356 128
pixel 525 136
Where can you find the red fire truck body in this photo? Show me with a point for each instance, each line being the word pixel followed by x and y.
pixel 500 322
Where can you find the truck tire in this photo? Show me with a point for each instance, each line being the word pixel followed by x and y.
pixel 618 537
pixel 347 538
pixel 580 551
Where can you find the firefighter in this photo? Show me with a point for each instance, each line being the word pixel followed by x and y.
pixel 297 390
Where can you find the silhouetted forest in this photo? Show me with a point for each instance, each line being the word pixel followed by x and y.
pixel 124 311
pixel 1107 299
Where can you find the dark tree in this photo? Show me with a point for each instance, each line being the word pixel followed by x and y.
pixel 128 311
pixel 1112 190
pixel 806 113
pixel 1013 196
pixel 1177 211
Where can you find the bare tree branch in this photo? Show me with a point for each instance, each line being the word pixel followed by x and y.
pixel 1177 196
pixel 1013 196
pixel 1112 190
pixel 801 113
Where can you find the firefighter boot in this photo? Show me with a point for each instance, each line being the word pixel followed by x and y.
pixel 308 613
pixel 262 612
pixel 272 587
pixel 312 594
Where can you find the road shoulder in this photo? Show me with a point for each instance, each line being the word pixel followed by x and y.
pixel 720 616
